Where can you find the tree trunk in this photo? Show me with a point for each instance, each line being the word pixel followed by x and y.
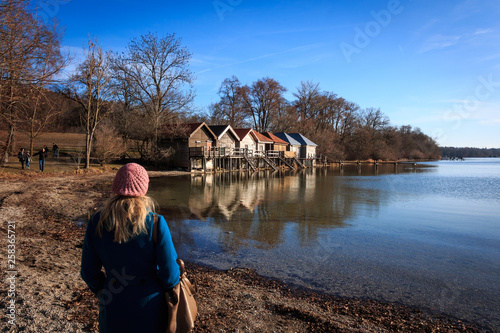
pixel 87 128
pixel 9 145
pixel 88 145
pixel 31 146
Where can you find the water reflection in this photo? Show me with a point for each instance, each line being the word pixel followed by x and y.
pixel 257 208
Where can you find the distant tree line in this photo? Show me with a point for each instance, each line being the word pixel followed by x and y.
pixel 469 152
pixel 340 127
pixel 123 101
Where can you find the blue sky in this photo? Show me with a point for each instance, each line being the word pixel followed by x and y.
pixel 431 64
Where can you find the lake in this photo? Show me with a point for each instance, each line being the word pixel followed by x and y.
pixel 425 235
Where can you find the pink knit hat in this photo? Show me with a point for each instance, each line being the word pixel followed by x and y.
pixel 131 180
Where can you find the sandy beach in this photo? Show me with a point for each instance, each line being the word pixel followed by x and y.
pixel 51 297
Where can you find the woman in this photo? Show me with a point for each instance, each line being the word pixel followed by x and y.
pixel 137 273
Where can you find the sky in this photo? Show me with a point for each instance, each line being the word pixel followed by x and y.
pixel 434 65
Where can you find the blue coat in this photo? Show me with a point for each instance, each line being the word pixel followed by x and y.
pixel 131 292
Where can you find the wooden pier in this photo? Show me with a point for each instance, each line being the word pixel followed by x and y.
pixel 375 163
pixel 220 159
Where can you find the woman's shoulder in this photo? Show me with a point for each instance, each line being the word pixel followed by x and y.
pixel 160 219
pixel 94 219
pixel 151 214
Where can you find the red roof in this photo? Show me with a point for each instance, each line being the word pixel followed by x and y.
pixel 242 132
pixel 275 139
pixel 262 138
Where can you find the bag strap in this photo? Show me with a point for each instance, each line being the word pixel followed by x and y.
pixel 182 269
pixel 155 229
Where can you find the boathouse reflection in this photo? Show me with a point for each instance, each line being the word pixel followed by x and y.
pixel 261 208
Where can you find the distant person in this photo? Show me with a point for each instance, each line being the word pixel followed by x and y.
pixel 138 272
pixel 28 159
pixel 42 155
pixel 55 149
pixel 22 157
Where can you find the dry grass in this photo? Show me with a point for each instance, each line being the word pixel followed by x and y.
pixel 12 170
pixel 68 143
pixel 63 140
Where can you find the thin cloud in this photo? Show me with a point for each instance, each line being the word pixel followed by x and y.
pixel 490 122
pixel 482 31
pixel 204 71
pixel 438 42
pixel 426 27
pixel 308 60
pixel 263 56
pixel 273 54
pixel 458 101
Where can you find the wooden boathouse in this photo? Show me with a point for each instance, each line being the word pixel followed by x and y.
pixel 201 147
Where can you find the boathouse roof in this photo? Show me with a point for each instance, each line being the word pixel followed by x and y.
pixel 243 132
pixel 262 137
pixel 288 138
pixel 302 139
pixel 275 139
pixel 183 130
pixel 220 130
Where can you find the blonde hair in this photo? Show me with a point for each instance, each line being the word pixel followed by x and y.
pixel 125 216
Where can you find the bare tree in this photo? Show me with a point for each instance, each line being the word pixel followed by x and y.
pixel 29 56
pixel 44 105
pixel 230 109
pixel 285 119
pixel 40 108
pixel 125 115
pixel 374 120
pixel 157 68
pixel 308 101
pixel 90 87
pixel 264 100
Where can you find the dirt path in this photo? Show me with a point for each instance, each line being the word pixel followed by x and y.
pixel 51 297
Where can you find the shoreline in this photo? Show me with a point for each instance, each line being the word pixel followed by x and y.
pixel 52 297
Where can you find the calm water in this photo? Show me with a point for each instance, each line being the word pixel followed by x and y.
pixel 427 236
